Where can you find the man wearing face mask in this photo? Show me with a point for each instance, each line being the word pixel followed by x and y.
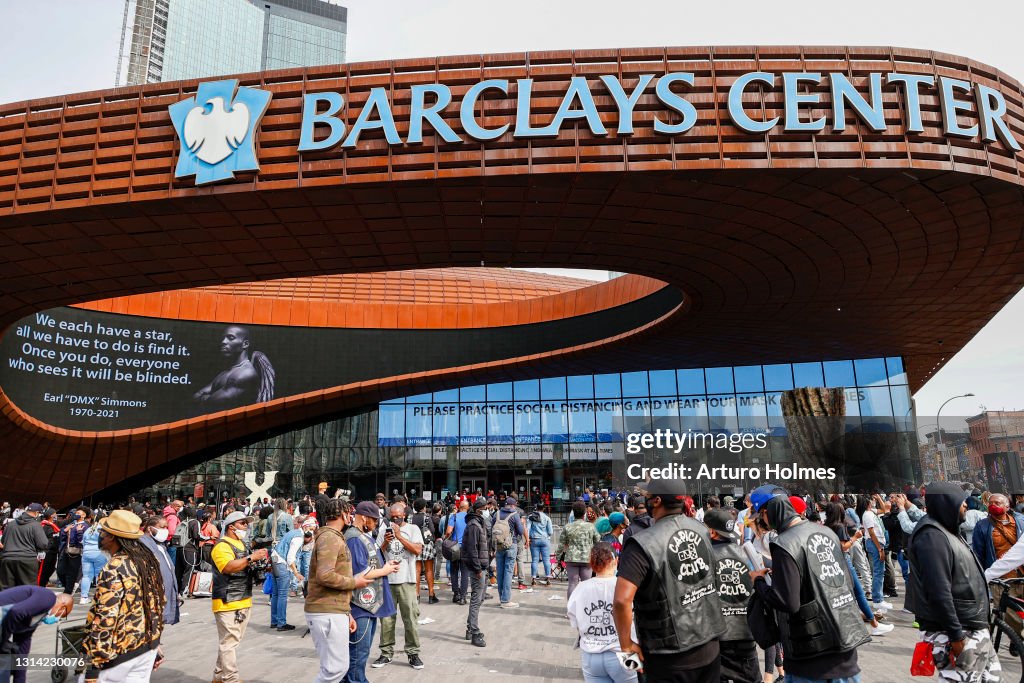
pixel 732 577
pixel 401 542
pixel 372 601
pixel 948 594
pixel 232 592
pixel 331 583
pixel 671 563
pixel 155 539
pixel 811 592
pixel 992 539
pixel 996 533
pixel 22 609
pixel 24 541
pixel 70 566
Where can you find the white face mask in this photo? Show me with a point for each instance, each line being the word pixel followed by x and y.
pixel 160 535
pixel 240 534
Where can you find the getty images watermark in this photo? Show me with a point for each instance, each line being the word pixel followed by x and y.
pixel 716 458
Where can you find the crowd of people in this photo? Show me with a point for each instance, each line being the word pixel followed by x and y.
pixel 655 584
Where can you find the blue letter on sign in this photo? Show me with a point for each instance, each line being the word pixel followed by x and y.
pixel 843 92
pixel 420 112
pixel 310 117
pixel 625 103
pixel 676 102
pixel 911 89
pixel 376 102
pixel 466 115
pixel 991 108
pixel 790 85
pixel 951 105
pixel 736 113
pixel 579 89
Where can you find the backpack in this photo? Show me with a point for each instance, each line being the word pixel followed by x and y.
pixel 428 534
pixel 181 536
pixel 501 533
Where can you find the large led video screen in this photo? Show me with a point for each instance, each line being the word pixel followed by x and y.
pixel 80 369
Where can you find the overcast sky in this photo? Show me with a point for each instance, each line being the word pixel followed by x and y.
pixel 54 47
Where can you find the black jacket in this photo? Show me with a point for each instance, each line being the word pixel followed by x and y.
pixel 638 523
pixel 24 538
pixel 475 548
pixel 947 591
pixel 897 537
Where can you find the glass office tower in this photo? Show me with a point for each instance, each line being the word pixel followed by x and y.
pixel 167 40
pixel 557 436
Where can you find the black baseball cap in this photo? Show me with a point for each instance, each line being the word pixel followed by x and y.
pixel 722 520
pixel 479 504
pixel 368 508
pixel 666 488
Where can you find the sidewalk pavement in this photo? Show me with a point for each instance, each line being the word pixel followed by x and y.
pixel 531 643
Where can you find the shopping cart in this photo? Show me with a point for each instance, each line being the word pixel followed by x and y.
pixel 69 651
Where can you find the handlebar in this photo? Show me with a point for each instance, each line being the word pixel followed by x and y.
pixel 1005 583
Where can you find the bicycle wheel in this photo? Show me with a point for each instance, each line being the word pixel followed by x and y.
pixel 1008 645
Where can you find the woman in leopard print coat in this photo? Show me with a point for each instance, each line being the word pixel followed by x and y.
pixel 126 618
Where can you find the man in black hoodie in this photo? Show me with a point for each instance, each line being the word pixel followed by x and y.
pixel 24 539
pixel 476 557
pixel 811 591
pixel 640 521
pixel 947 593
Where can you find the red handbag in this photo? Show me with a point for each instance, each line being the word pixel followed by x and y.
pixel 923 663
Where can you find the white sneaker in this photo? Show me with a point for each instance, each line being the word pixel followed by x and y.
pixel 83 601
pixel 882 629
pixel 509 605
pixel 881 606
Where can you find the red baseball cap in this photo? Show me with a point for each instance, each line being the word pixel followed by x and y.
pixel 799 504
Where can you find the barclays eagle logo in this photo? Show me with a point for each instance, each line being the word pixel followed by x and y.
pixel 216 129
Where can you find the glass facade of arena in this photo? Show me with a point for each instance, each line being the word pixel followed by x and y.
pixel 557 436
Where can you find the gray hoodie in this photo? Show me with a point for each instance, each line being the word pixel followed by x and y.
pixel 24 538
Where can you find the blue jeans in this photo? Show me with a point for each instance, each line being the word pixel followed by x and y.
pixel 901 558
pixel 359 644
pixel 877 572
pixel 605 667
pixel 790 678
pixel 505 561
pixel 858 592
pixel 92 564
pixel 540 554
pixel 279 598
pixel 302 564
pixel 172 552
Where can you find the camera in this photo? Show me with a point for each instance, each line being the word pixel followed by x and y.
pixel 260 567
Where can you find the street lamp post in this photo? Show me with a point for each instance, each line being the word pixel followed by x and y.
pixel 939 413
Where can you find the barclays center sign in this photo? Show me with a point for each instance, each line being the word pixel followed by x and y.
pixel 217 126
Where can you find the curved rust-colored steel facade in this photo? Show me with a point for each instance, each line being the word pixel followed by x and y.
pixel 786 246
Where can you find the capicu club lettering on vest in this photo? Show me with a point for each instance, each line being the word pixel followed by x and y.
pixel 730 577
pixel 822 559
pixel 218 125
pixel 688 556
